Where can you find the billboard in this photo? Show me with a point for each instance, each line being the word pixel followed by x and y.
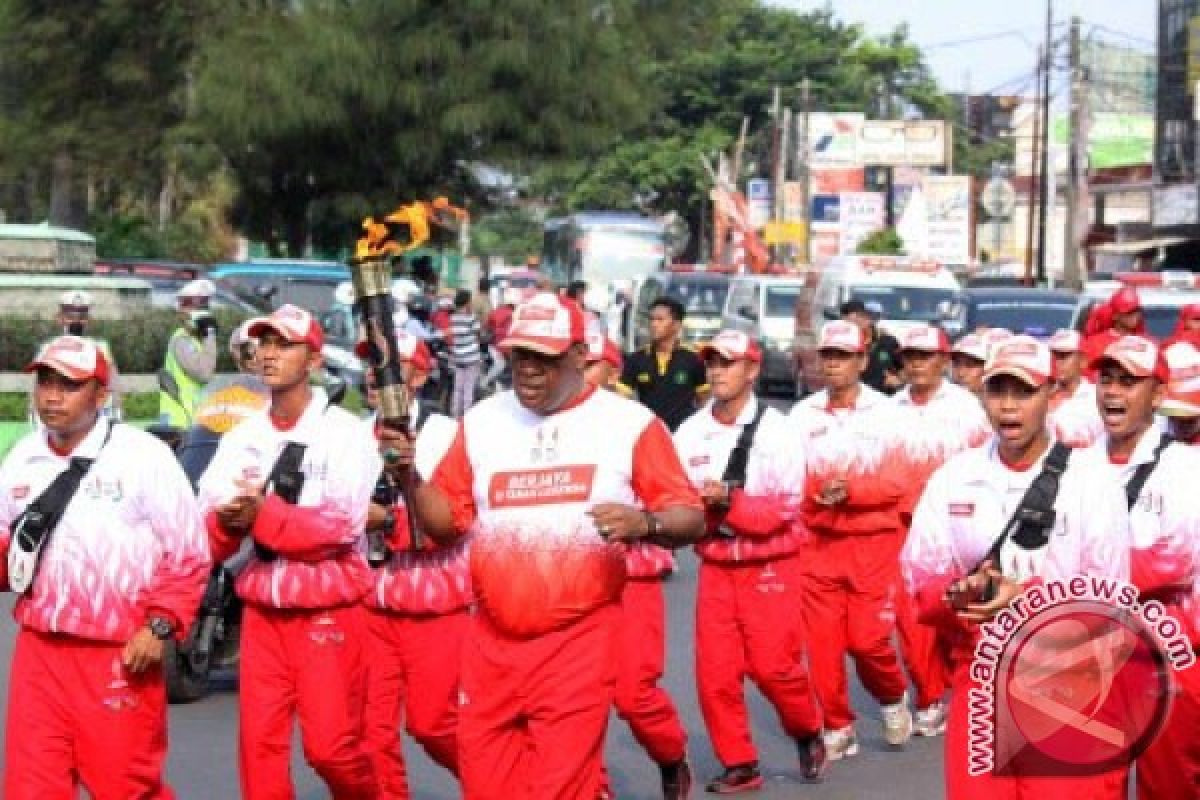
pixel 1114 140
pixel 833 139
pixel 899 143
pixel 758 201
pixel 948 213
pixel 862 213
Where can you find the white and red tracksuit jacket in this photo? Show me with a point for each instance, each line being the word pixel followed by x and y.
pixel 861 445
pixel 1165 522
pixel 950 421
pixel 319 542
pixel 970 500
pixel 523 484
pixel 131 541
pixel 430 581
pixel 1075 419
pixel 762 514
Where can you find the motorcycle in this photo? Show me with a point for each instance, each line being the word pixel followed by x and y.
pixel 213 642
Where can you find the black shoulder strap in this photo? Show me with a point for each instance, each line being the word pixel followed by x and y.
pixel 32 528
pixel 1142 473
pixel 286 480
pixel 1034 516
pixel 739 457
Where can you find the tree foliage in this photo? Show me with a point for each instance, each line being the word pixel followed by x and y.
pixel 883 242
pixel 707 90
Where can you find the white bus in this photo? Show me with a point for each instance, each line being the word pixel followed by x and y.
pixel 609 250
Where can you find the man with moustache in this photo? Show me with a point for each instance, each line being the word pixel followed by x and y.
pixel 297 479
pixel 549 477
pixel 100 588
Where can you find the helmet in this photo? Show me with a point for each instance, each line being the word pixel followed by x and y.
pixel 241 336
pixel 75 299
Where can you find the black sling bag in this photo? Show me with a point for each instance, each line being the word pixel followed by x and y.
pixel 32 528
pixel 1142 473
pixel 734 476
pixel 1029 527
pixel 286 480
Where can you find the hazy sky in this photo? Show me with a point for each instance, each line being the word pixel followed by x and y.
pixel 1000 63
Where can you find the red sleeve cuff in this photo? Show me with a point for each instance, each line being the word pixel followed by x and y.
pixel 221 543
pixel 268 524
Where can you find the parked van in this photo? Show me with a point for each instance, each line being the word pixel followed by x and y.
pixel 764 307
pixel 902 291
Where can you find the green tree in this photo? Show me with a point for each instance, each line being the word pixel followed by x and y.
pixel 92 95
pixel 329 110
pixel 883 242
pixel 707 90
pixel 509 233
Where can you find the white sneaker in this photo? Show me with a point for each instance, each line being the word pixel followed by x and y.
pixel 931 721
pixel 897 722
pixel 841 743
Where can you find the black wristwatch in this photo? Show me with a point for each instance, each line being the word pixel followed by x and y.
pixel 161 627
pixel 653 526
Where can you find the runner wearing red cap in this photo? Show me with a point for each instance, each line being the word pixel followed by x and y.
pixel 420 602
pixel 104 574
pixel 963 510
pixel 1187 328
pixel 1165 520
pixel 1073 415
pixel 297 480
pixel 966 363
pixel 750 573
pixel 640 701
pixel 550 477
pixel 852 507
pixel 1181 402
pixel 938 420
pixel 1121 315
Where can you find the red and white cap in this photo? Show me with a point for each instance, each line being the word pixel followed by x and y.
pixel 841 335
pixel 75 300
pixel 411 349
pixel 926 339
pixel 972 346
pixel 1139 355
pixel 1024 358
pixel 1066 340
pixel 1125 301
pixel 733 345
pixel 73 357
pixel 1183 384
pixel 547 324
pixel 292 323
pixel 602 348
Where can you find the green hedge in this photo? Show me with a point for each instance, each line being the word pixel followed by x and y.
pixel 138 342
pixel 14 406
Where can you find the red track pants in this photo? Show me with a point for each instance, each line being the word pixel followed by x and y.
pixel 960 785
pixel 747 626
pixel 850 606
pixel 923 656
pixel 306 664
pixel 412 680
pixel 534 711
pixel 75 716
pixel 1170 768
pixel 640 701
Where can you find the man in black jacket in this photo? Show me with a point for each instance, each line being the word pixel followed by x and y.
pixel 883 351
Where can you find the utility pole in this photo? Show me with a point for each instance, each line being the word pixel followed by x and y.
pixel 1046 177
pixel 1034 164
pixel 1076 174
pixel 889 172
pixel 805 172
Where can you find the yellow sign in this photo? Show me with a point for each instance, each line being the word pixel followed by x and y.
pixel 785 233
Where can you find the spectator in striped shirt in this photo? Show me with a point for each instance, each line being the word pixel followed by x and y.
pixel 466 357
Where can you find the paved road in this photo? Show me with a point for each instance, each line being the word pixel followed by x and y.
pixel 203 750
